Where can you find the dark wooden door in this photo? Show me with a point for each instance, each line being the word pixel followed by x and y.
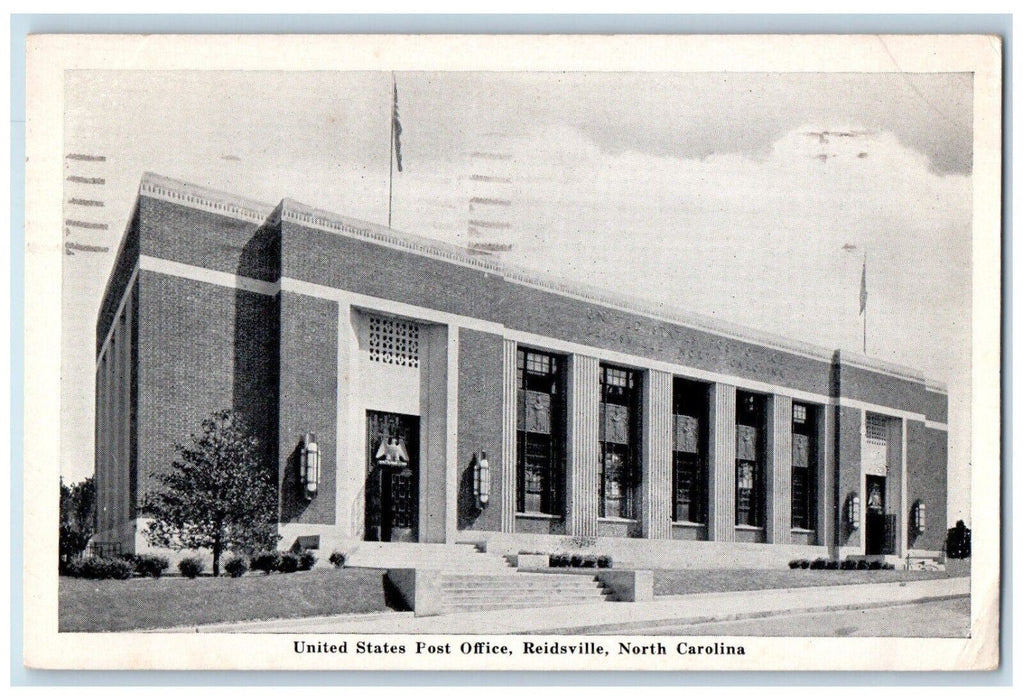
pixel 875 533
pixel 392 477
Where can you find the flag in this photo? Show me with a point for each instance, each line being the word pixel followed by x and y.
pixel 396 129
pixel 863 289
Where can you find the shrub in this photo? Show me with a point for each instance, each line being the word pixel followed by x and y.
pixel 266 561
pixel 604 561
pixel 338 559
pixel 589 561
pixel 876 565
pixel 862 565
pixel 306 560
pixel 99 568
pixel 288 563
pixel 151 565
pixel 191 566
pixel 561 560
pixel 888 566
pixel 793 563
pixel 848 565
pixel 71 567
pixel 818 563
pixel 236 566
pixel 804 563
pixel 831 565
pixel 576 560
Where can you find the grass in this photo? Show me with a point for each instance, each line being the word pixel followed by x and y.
pixel 681 582
pixel 111 606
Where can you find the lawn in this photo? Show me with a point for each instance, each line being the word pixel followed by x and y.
pixel 110 606
pixel 681 582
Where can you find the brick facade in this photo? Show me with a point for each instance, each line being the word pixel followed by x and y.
pixel 211 327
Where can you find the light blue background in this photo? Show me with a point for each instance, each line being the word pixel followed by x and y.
pixel 22 25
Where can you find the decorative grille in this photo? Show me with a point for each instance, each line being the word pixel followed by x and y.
pixel 393 342
pixel 877 429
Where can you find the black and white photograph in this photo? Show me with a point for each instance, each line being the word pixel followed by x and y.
pixel 513 352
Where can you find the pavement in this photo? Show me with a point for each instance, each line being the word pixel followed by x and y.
pixel 607 618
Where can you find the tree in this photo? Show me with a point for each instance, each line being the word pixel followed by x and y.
pixel 77 516
pixel 957 541
pixel 215 495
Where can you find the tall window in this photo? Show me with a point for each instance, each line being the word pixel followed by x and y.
pixel 689 452
pixel 804 461
pixel 619 441
pixel 541 432
pixel 749 459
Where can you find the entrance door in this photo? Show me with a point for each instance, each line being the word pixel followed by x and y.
pixel 875 515
pixel 392 477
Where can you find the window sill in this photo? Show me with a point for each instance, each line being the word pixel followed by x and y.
pixel 539 516
pixel 617 520
pixel 802 531
pixel 753 528
pixel 687 523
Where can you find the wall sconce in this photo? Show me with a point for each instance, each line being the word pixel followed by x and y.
pixel 853 512
pixel 309 466
pixel 919 517
pixel 481 478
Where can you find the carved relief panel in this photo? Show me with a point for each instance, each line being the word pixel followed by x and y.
pixel 746 442
pixel 687 434
pixel 535 411
pixel 614 424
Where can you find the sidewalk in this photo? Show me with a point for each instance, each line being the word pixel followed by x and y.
pixel 606 618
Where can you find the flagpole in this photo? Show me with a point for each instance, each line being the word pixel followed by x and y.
pixel 864 305
pixel 390 168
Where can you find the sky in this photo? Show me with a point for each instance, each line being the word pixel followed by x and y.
pixel 749 197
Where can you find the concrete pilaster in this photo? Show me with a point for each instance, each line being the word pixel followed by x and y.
pixel 656 475
pixel 827 507
pixel 721 474
pixel 778 472
pixel 583 447
pixel 508 433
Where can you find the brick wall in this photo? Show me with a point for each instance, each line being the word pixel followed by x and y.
pixel 308 403
pixel 194 237
pixel 927 475
pixel 338 261
pixel 848 447
pixel 936 406
pixel 883 389
pixel 201 348
pixel 480 369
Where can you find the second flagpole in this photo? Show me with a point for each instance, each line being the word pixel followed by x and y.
pixel 390 167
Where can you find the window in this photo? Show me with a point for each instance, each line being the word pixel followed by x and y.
pixel 541 432
pixel 749 459
pixel 689 452
pixel 393 341
pixel 619 441
pixel 804 466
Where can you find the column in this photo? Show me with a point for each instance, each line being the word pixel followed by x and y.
pixel 655 510
pixel 583 447
pixel 721 458
pixel 509 426
pixel 778 466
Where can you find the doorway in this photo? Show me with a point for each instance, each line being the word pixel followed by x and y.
pixel 392 477
pixel 875 532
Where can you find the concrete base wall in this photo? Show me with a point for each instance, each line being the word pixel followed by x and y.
pixel 636 553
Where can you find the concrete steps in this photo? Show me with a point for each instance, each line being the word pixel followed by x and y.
pixel 466 593
pixel 462 558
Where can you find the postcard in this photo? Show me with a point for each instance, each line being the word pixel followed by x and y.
pixel 513 352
